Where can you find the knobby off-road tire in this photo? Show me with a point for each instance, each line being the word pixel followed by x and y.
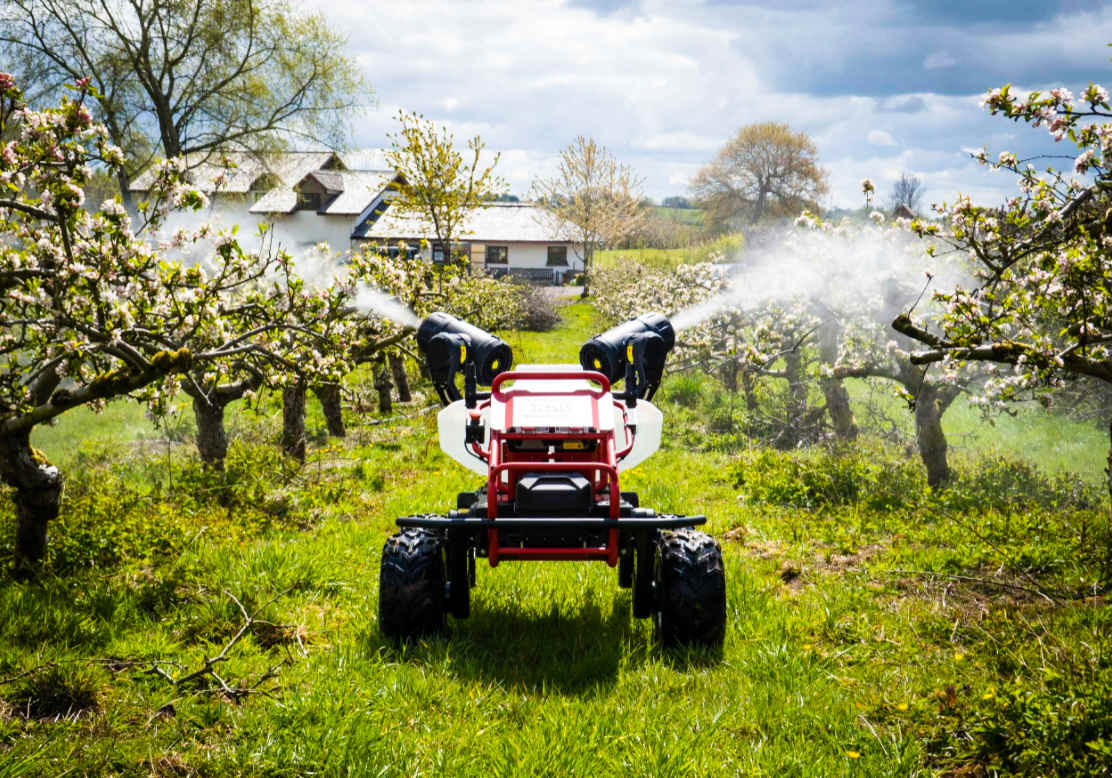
pixel 411 585
pixel 690 589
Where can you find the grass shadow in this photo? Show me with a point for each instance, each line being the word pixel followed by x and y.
pixel 575 653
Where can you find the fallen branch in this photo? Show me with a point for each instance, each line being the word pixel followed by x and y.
pixel 974 579
pixel 208 666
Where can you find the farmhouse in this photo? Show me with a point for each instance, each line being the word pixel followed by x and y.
pixel 324 206
pixel 310 198
pixel 517 238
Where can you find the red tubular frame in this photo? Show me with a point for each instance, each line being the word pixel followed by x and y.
pixel 601 472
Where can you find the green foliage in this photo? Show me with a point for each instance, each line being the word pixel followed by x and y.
pixel 826 479
pixel 873 478
pixel 1054 725
pixel 1002 484
pixel 685 390
pixel 439 184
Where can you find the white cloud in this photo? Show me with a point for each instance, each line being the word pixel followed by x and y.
pixel 663 83
pixel 678 141
pixel 937 60
pixel 880 138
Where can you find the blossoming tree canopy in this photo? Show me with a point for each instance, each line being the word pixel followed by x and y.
pixel 1042 300
pixel 91 312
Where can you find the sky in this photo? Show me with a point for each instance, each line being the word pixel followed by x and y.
pixel 882 88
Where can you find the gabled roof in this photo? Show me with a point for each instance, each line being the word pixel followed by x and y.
pixel 357 189
pixel 493 223
pixel 236 172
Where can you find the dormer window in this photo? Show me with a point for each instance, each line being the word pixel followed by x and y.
pixel 308 201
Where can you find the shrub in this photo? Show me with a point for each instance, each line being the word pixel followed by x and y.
pixel 1003 484
pixel 1060 726
pixel 685 390
pixel 827 478
pixel 536 310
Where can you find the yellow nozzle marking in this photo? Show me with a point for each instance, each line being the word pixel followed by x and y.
pixel 598 365
pixel 629 353
pixel 494 365
pixel 462 353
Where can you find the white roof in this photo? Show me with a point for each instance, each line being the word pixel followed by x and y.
pixel 358 189
pixel 506 222
pixel 235 172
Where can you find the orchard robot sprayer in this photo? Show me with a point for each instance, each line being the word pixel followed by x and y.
pixel 551 442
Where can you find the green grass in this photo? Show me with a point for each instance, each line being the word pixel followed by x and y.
pixel 874 629
pixel 718 250
pixel 692 216
pixel 1028 431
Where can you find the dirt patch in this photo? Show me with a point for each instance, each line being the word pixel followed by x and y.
pixel 839 563
pixel 974 596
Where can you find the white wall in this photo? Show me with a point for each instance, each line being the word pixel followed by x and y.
pixel 301 230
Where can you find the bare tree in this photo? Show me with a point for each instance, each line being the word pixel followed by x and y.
pixel 188 77
pixel 765 170
pixel 907 191
pixel 597 194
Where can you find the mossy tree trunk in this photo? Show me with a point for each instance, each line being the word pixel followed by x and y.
pixel 382 386
pixel 37 497
pixel 293 420
pixel 208 410
pixel 931 403
pixel 212 439
pixel 1108 468
pixel 401 380
pixel 330 397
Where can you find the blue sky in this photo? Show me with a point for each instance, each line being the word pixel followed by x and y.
pixel 882 88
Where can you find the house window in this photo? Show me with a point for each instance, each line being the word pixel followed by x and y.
pixel 399 249
pixel 557 256
pixel 497 255
pixel 438 253
pixel 308 201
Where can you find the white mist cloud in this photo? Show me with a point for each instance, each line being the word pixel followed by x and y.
pixel 847 272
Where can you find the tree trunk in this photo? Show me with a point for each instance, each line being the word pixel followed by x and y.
pixel 749 388
pixel 401 380
pixel 929 407
pixel 38 494
pixel 1108 469
pixel 728 373
pixel 792 434
pixel 382 384
pixel 212 440
pixel 833 390
pixel 837 405
pixel 329 396
pixel 293 421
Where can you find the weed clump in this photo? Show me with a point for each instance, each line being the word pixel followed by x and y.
pixel 821 478
pixel 876 479
pixel 53 691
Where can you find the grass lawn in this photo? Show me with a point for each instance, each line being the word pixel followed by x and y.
pixel 873 629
